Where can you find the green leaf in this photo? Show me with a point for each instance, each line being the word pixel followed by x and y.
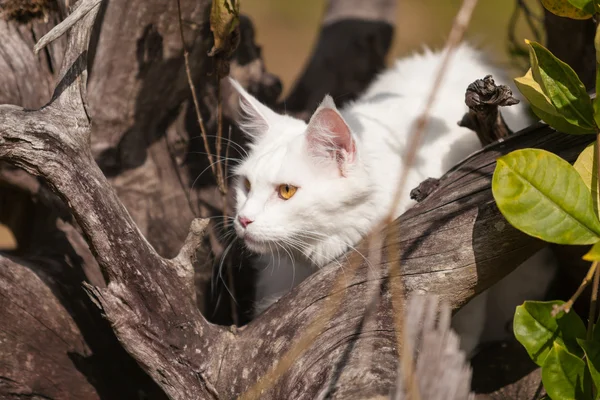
pixel 562 86
pixel 583 5
pixel 543 107
pixel 593 254
pixel 592 355
pixel 564 8
pixel 542 195
pixel 587 167
pixel 537 330
pixel 564 376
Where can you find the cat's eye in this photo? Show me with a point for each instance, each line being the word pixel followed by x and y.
pixel 247 184
pixel 286 191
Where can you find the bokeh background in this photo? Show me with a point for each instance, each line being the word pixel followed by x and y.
pixel 287 30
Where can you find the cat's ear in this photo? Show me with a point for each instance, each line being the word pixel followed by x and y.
pixel 329 135
pixel 255 116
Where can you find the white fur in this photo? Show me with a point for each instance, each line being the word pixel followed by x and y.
pixel 339 202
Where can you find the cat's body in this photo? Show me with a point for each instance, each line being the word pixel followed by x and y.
pixel 344 166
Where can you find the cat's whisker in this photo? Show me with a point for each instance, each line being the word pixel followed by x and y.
pixel 222 158
pixel 319 236
pixel 201 173
pixel 292 260
pixel 239 148
pixel 221 271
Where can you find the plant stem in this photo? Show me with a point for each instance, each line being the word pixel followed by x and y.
pixel 222 185
pixel 593 301
pixel 188 71
pixel 584 283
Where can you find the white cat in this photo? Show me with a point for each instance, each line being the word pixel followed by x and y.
pixel 307 193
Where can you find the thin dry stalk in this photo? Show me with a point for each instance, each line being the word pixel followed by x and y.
pixel 222 185
pixel 584 283
pixel 188 71
pixel 461 22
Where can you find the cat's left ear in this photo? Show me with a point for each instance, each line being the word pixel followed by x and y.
pixel 329 135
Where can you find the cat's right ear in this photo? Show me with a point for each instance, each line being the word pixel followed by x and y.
pixel 255 117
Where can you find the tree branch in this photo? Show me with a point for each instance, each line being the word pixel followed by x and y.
pixel 147 297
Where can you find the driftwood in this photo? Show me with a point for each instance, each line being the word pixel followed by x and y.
pixel 113 157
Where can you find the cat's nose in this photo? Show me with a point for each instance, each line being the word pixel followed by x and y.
pixel 245 221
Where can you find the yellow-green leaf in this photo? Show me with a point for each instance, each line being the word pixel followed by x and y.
pixel 587 167
pixel 542 195
pixel 559 123
pixel 564 8
pixel 534 93
pixel 543 107
pixel 593 254
pixel 562 86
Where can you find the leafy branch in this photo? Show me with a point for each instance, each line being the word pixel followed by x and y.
pixel 544 196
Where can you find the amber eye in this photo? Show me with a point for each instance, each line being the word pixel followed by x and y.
pixel 247 184
pixel 286 191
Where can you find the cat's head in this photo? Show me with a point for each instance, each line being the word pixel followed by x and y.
pixel 298 179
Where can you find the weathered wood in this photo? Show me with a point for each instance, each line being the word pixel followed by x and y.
pixel 484 99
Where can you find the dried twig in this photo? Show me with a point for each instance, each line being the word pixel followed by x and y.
pixel 81 9
pixel 188 71
pixel 566 307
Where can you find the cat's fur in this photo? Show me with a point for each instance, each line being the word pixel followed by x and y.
pixel 346 164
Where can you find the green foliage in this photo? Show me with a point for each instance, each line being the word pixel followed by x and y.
pixel 593 254
pixel 574 9
pixel 556 207
pixel 542 106
pixel 564 375
pixel 556 93
pixel 537 330
pixel 586 166
pixel 592 358
pixel 544 196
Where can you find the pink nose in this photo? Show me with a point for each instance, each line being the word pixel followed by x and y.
pixel 245 221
